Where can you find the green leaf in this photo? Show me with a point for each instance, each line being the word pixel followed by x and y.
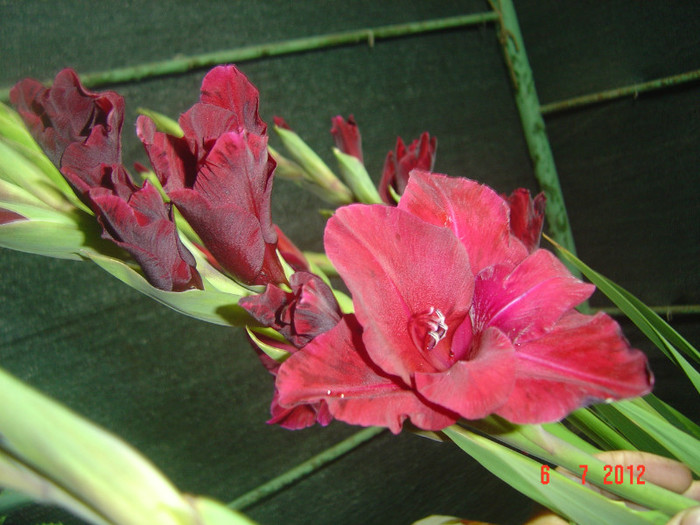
pixel 317 173
pixel 52 454
pixel 655 328
pixel 536 441
pixel 163 123
pixel 207 305
pixel 560 431
pixel 59 458
pixel 272 351
pixel 356 177
pixel 637 436
pixel 12 194
pixel 662 327
pixel 52 239
pixel 682 445
pixel 15 135
pixel 20 171
pixel 562 495
pixel 13 128
pixel 673 416
pixel 214 513
pixel 598 430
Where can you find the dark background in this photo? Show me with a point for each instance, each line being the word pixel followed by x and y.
pixel 191 396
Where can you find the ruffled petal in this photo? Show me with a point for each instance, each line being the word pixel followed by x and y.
pixel 476 214
pixel 300 315
pixel 583 360
pixel 170 156
pixel 334 368
pixel 143 227
pixel 66 112
pixel 229 207
pixel 476 387
pixel 300 416
pixel 526 301
pixel 399 269
pixel 229 88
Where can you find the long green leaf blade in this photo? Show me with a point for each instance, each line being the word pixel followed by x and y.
pixel 560 494
pixel 682 445
pixel 208 305
pixel 645 319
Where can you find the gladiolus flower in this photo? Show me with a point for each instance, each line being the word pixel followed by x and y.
pixel 455 317
pixel 300 315
pixel 306 312
pixel 81 132
pixel 66 112
pixel 419 155
pixel 219 175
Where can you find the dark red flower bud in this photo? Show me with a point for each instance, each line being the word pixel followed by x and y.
pixel 527 217
pixel 66 112
pixel 347 136
pixel 81 132
pixel 219 175
pixel 309 310
pixel 399 163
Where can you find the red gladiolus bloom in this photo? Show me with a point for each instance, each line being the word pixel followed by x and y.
pixel 81 132
pixel 454 317
pixel 219 175
pixel 420 155
pixel 306 312
pixel 347 136
pixel 300 315
pixel 66 112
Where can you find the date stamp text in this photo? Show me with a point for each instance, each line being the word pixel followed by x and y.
pixel 612 474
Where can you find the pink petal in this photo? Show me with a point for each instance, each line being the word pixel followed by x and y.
pixel 474 388
pixel 334 368
pixel 477 215
pixel 398 268
pixel 583 360
pixel 525 302
pixel 300 416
